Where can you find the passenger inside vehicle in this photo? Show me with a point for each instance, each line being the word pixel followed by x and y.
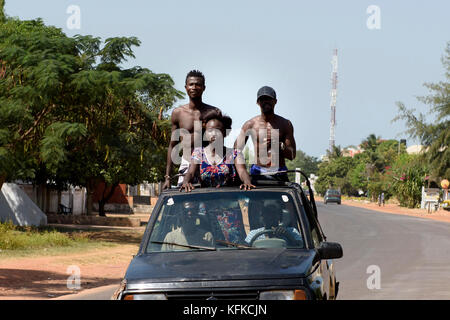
pixel 188 232
pixel 272 217
pixel 230 222
pixel 211 222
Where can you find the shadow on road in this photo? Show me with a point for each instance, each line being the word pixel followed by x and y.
pixel 34 284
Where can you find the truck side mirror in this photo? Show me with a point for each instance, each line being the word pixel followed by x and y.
pixel 330 250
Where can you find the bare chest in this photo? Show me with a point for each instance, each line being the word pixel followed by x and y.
pixel 262 128
pixel 187 120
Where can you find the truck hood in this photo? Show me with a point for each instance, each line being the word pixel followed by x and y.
pixel 220 265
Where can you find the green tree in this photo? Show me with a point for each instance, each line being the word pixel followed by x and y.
pixel 370 143
pixel 408 176
pixel 126 136
pixel 308 164
pixel 37 63
pixel 434 135
pixel 336 152
pixel 372 158
pixel 2 11
pixel 333 174
pixel 70 112
pixel 358 178
pixel 388 151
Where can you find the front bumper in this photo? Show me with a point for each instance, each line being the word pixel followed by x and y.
pixel 212 290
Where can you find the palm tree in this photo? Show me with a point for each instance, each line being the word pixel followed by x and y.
pixel 434 136
pixel 370 143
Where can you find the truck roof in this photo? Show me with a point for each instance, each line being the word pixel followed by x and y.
pixel 266 185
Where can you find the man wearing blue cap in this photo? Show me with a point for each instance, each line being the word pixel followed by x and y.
pixel 272 135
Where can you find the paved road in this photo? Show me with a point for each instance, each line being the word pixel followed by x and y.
pixel 412 254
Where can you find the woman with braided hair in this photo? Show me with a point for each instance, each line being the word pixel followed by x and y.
pixel 217 165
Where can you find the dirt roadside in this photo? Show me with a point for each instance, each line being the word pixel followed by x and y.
pixel 440 215
pixel 40 278
pixel 45 277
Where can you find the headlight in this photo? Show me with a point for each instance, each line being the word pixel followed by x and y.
pixel 153 296
pixel 283 295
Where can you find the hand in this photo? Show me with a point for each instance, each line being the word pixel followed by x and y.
pixel 166 184
pixel 187 186
pixel 247 185
pixel 282 232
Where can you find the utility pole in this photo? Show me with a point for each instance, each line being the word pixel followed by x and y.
pixel 334 63
pixel 400 143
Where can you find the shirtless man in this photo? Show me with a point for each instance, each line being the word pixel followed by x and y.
pixel 278 144
pixel 184 118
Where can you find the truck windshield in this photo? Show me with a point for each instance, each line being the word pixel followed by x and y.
pixel 226 220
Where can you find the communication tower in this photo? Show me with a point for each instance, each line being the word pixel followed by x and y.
pixel 334 63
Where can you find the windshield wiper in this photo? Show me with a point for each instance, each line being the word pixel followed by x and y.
pixel 185 245
pixel 237 245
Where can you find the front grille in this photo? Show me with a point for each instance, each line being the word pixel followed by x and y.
pixel 212 295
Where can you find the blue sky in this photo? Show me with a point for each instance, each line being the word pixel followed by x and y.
pixel 243 45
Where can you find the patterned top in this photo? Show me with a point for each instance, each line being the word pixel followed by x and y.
pixel 220 174
pixel 230 223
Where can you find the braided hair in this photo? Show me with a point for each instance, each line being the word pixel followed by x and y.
pixel 216 114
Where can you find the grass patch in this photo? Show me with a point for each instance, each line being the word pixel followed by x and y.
pixel 16 241
pixel 55 251
pixel 20 238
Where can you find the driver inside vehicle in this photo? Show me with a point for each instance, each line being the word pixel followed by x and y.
pixel 272 217
pixel 188 233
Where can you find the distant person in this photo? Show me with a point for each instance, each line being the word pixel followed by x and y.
pixel 262 128
pixel 184 117
pixel 188 233
pixel 217 167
